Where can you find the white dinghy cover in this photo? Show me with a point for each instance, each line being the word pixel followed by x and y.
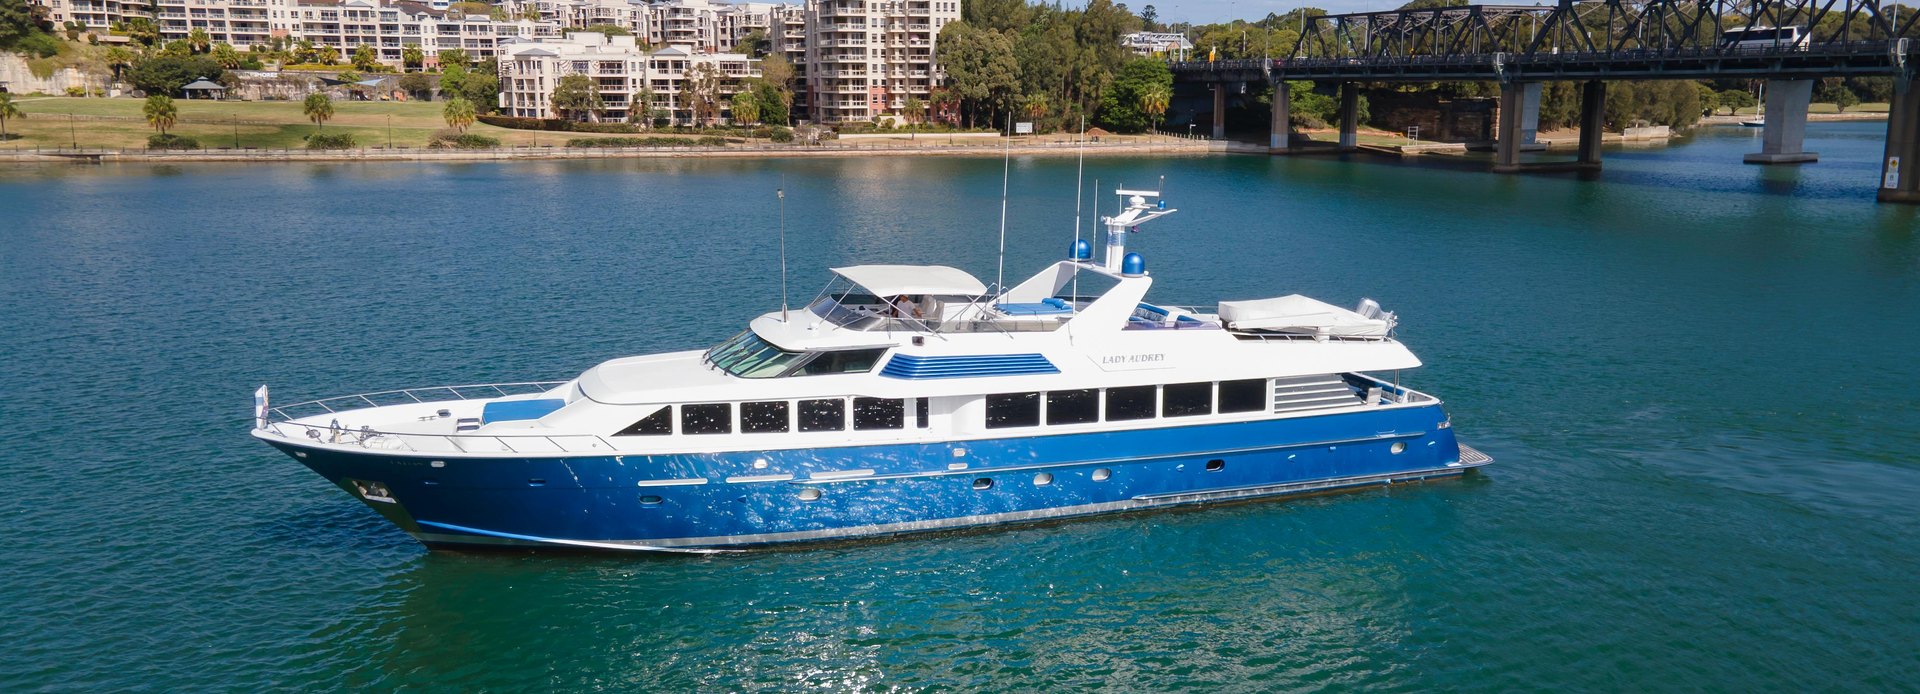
pixel 1299 315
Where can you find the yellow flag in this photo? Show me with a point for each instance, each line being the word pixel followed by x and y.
pixel 1213 53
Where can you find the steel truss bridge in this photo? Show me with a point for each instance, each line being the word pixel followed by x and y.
pixel 1597 39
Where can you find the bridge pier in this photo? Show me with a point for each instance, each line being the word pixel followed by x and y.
pixel 1519 123
pixel 1786 129
pixel 1349 116
pixel 1220 111
pixel 1899 179
pixel 1593 121
pixel 1279 133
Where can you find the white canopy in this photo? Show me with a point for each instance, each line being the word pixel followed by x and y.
pixel 1297 314
pixel 894 280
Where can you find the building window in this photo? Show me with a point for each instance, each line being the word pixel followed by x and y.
pixel 657 424
pixel 708 418
pixel 1013 410
pixel 1186 399
pixel 823 415
pixel 879 413
pixel 1249 395
pixel 1133 402
pixel 1073 406
pixel 763 417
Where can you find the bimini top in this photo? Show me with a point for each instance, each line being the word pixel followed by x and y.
pixel 893 280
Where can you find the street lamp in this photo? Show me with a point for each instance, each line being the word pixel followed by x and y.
pixel 1189 131
pixel 73 131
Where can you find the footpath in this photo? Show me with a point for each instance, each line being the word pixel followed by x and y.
pixel 1154 146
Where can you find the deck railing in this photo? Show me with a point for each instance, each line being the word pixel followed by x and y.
pixel 280 421
pixel 405 396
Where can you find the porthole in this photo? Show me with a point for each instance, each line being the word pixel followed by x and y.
pixel 1216 465
pixel 1101 474
pixel 983 483
pixel 1043 479
pixel 1399 447
pixel 649 500
pixel 809 495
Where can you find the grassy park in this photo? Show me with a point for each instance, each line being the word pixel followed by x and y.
pixel 118 124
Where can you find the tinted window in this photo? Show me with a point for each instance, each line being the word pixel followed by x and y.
pixel 711 418
pixel 1073 406
pixel 1133 402
pixel 920 413
pixel 1013 410
pixel 763 417
pixel 879 413
pixel 844 362
pixel 1186 399
pixel 823 415
pixel 656 424
pixel 1249 395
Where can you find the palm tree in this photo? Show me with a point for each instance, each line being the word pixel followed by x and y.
pixel 161 113
pixel 328 55
pixel 364 58
pixel 914 109
pixel 199 40
pixel 1036 106
pixel 412 55
pixel 8 109
pixel 1153 102
pixel 459 113
pixel 318 108
pixel 224 54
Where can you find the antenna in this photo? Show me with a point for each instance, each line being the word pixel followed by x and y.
pixel 1079 187
pixel 1006 170
pixel 781 193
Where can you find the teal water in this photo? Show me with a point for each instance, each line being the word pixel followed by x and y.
pixel 1698 378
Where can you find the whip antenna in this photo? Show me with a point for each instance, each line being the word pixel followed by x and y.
pixel 781 193
pixel 1079 187
pixel 1006 169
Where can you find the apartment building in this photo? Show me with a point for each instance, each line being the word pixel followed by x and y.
pixel 1148 43
pixel 867 57
pixel 621 68
pixel 702 25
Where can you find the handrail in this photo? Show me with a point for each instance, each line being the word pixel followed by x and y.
pixel 329 403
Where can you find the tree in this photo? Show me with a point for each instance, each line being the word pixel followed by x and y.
pixel 365 59
pixel 416 85
pixel 482 86
pixel 453 79
pixel 166 74
pixel 305 52
pixel 1036 106
pixel 981 69
pixel 198 40
pixel 319 109
pixel 1153 102
pixel 224 54
pixel 642 111
pixel 1737 99
pixel 754 44
pixel 1124 107
pixel 915 110
pixel 161 113
pixel 459 113
pixel 1150 17
pixel 610 30
pixel 773 101
pixel 1834 90
pixel 143 30
pixel 700 94
pixel 8 109
pixel 327 55
pixel 411 55
pixel 576 97
pixel 453 56
pixel 746 110
pixel 119 58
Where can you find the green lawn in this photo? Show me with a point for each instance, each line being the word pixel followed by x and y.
pixel 119 124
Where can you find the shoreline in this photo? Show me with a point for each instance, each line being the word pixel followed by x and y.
pixel 1057 148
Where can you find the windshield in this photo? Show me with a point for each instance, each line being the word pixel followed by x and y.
pixel 747 356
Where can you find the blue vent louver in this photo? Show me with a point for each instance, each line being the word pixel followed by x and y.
pixel 908 366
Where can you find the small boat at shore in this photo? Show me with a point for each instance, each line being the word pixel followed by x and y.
pixel 903 399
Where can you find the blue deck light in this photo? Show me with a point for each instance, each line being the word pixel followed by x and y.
pixel 1133 265
pixel 1082 250
pixel 1163 204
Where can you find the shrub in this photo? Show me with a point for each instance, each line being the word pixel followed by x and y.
pixel 645 142
pixel 171 141
pixel 449 139
pixel 38 44
pixel 76 91
pixel 325 141
pixel 781 135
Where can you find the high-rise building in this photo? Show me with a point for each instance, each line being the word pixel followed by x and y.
pixel 867 57
pixel 622 71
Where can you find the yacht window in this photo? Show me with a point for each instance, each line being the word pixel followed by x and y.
pixel 920 413
pixel 1249 395
pixel 747 356
pixel 878 413
pixel 823 415
pixel 1013 410
pixel 851 361
pixel 659 423
pixel 1132 402
pixel 709 418
pixel 1073 406
pixel 1186 399
pixel 763 417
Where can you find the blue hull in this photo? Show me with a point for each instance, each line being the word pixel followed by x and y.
pixel 687 501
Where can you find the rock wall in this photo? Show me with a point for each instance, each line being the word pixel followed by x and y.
pixel 18 79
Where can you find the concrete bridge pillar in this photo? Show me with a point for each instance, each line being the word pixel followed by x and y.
pixel 1900 170
pixel 1593 121
pixel 1220 111
pixel 1349 116
pixel 1279 132
pixel 1519 123
pixel 1786 128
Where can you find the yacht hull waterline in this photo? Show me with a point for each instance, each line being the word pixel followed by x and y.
pixel 904 399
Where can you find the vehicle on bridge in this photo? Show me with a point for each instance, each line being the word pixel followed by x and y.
pixel 1767 38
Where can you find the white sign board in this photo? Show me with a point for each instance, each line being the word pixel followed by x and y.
pixel 1892 178
pixel 1023 128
